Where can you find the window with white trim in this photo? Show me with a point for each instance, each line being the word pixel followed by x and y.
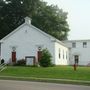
pixel 63 54
pixel 66 54
pixel 73 45
pixel 84 44
pixel 59 54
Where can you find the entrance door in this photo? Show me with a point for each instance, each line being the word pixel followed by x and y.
pixel 14 57
pixel 76 59
pixel 39 55
pixel 30 60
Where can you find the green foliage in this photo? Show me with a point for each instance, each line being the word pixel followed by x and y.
pixel 52 20
pixel 45 59
pixel 2 61
pixel 21 62
pixel 48 18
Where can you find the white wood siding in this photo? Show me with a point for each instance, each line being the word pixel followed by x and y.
pixel 84 53
pixel 26 41
pixel 64 54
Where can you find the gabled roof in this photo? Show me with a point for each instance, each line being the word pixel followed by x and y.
pixel 84 40
pixel 13 32
pixel 30 25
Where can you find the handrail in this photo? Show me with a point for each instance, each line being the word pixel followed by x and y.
pixel 1 64
pixel 2 67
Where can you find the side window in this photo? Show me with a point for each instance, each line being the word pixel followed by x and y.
pixel 66 54
pixel 63 54
pixel 73 45
pixel 84 44
pixel 59 54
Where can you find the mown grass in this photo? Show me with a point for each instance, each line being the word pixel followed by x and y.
pixel 58 72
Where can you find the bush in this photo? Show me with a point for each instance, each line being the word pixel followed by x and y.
pixel 2 61
pixel 21 62
pixel 45 60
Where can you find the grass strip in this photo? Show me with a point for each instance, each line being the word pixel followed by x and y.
pixel 48 80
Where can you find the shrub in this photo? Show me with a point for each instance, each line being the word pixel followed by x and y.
pixel 45 60
pixel 21 62
pixel 2 61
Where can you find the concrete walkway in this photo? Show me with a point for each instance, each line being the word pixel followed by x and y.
pixel 24 85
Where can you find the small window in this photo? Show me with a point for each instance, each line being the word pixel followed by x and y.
pixel 59 53
pixel 13 48
pixel 66 54
pixel 63 54
pixel 84 44
pixel 73 45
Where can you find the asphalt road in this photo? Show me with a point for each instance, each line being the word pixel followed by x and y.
pixel 24 85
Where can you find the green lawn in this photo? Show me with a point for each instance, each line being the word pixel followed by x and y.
pixel 59 72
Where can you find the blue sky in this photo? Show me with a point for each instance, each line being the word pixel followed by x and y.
pixel 78 17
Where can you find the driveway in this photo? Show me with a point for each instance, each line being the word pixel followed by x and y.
pixel 24 85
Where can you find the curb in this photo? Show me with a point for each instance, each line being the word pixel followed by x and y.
pixel 48 80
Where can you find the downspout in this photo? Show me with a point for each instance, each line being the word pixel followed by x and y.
pixel 0 52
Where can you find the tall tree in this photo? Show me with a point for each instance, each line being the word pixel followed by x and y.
pixel 10 16
pixel 50 19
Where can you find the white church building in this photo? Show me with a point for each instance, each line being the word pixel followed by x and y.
pixel 27 42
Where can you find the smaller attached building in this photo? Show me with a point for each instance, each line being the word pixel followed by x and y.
pixel 79 51
pixel 27 42
pixel 61 53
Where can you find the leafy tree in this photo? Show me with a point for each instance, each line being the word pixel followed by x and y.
pixel 10 16
pixel 45 59
pixel 48 18
pixel 52 20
